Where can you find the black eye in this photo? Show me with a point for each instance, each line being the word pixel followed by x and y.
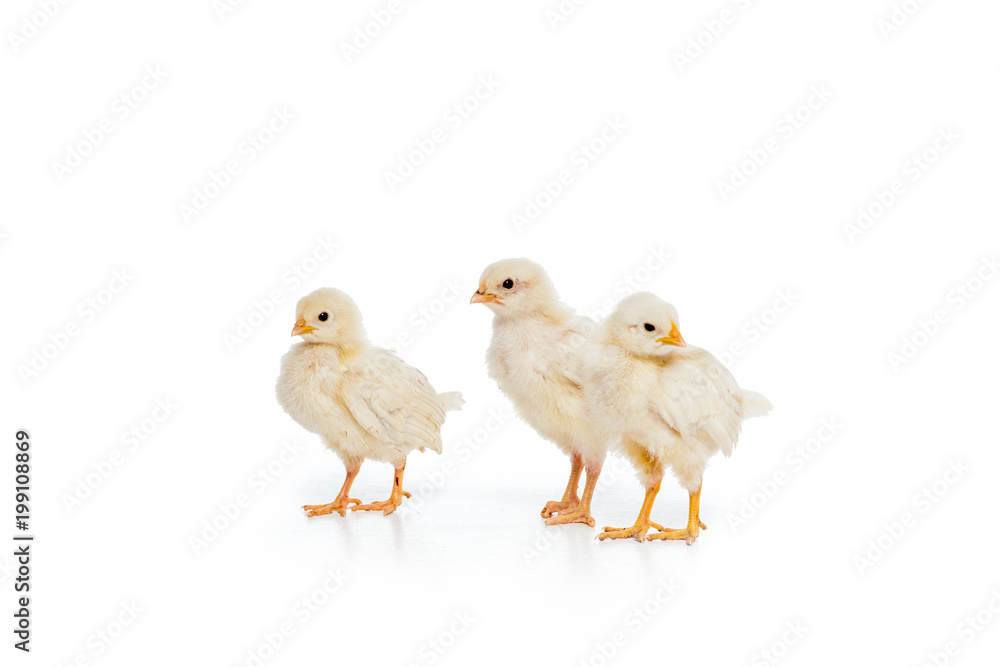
pixel 323 317
pixel 649 327
pixel 507 284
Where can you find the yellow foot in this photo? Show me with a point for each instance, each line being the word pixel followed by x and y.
pixel 686 534
pixel 576 516
pixel 387 506
pixel 638 531
pixel 339 506
pixel 560 506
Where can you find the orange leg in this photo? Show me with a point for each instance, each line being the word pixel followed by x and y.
pixel 581 513
pixel 569 500
pixel 694 527
pixel 342 502
pixel 395 498
pixel 642 523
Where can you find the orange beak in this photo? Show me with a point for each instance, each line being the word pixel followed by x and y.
pixel 673 338
pixel 301 327
pixel 481 296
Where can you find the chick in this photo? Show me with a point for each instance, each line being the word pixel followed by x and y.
pixel 364 401
pixel 666 403
pixel 536 357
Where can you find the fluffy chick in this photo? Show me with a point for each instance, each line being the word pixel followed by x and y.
pixel 667 404
pixel 362 400
pixel 536 357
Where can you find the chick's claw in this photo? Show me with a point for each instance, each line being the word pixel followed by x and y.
pixel 686 534
pixel 386 506
pixel 559 506
pixel 638 531
pixel 339 506
pixel 576 516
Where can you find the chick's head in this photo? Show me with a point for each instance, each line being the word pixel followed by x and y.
pixel 329 316
pixel 644 325
pixel 513 287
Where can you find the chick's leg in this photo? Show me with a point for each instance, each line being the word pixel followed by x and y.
pixel 694 527
pixel 642 523
pixel 581 513
pixel 342 502
pixel 395 498
pixel 569 500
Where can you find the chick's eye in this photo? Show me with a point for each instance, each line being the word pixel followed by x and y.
pixel 323 317
pixel 649 327
pixel 507 284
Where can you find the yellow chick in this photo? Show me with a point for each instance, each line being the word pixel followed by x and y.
pixel 536 357
pixel 362 400
pixel 666 403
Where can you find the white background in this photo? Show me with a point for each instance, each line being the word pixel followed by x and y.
pixel 471 545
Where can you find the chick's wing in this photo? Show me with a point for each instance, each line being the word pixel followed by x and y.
pixel 698 397
pixel 395 402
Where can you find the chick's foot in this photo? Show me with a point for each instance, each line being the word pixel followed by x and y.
pixel 689 534
pixel 386 506
pixel 554 507
pixel 339 506
pixel 578 515
pixel 636 531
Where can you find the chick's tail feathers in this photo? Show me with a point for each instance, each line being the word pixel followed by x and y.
pixel 451 400
pixel 754 404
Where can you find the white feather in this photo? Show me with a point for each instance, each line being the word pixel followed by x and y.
pixel 364 401
pixel 537 355
pixel 667 406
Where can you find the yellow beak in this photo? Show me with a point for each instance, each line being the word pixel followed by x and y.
pixel 481 296
pixel 301 327
pixel 673 338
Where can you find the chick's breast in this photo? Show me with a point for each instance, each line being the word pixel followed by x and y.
pixel 540 369
pixel 374 406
